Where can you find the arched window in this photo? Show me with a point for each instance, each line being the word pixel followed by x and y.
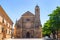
pixel 27 19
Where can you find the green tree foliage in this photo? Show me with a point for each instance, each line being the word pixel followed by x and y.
pixel 55 18
pixel 53 24
pixel 46 29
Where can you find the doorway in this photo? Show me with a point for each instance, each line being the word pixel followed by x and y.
pixel 27 35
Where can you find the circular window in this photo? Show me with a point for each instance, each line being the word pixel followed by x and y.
pixel 27 19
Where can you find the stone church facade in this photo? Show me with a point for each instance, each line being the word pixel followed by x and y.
pixel 29 25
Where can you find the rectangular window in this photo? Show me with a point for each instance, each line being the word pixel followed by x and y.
pixel 3 20
pixel 6 30
pixel 9 31
pixel 2 29
pixel 7 24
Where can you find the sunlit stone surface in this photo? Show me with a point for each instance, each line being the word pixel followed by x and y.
pixel 25 39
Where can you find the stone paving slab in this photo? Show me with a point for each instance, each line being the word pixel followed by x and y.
pixel 24 39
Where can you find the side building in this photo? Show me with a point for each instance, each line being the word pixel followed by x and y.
pixel 5 25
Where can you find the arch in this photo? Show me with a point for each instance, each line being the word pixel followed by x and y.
pixel 27 35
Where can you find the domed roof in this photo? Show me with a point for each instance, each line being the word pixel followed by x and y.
pixel 28 14
pixel 37 6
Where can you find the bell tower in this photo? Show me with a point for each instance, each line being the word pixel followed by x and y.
pixel 38 26
pixel 37 16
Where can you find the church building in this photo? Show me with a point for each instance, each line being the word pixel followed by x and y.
pixel 29 25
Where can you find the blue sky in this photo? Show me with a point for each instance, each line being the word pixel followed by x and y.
pixel 15 8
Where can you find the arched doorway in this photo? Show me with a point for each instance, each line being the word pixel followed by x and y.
pixel 27 35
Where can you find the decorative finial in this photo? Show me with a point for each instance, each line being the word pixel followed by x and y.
pixel 37 5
